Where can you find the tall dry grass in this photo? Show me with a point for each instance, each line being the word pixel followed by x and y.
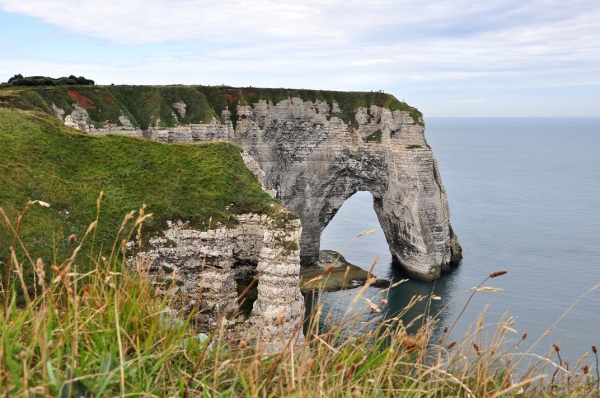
pixel 107 333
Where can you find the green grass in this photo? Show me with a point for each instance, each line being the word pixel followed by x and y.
pixel 107 333
pixel 375 137
pixel 143 105
pixel 146 103
pixel 43 160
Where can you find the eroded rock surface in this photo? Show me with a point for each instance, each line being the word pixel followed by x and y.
pixel 315 162
pixel 208 271
pixel 80 120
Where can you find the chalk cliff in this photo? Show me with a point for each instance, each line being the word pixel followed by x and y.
pixel 209 270
pixel 315 161
pixel 315 148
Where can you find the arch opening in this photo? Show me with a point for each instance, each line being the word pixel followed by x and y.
pixel 357 215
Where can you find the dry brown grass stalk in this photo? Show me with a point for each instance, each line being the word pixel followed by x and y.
pixel 103 330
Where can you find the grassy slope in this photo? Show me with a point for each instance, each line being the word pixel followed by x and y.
pixel 144 104
pixel 43 160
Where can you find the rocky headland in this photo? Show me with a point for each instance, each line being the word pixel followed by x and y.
pixel 311 150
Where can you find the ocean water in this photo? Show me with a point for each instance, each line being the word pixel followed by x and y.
pixel 524 196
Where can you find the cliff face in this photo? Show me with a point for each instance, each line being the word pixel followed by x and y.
pixel 208 270
pixel 316 149
pixel 315 162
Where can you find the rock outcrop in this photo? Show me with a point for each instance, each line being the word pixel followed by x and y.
pixel 208 270
pixel 80 119
pixel 315 162
pixel 316 153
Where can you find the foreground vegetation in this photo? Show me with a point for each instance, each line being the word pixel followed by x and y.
pixel 105 333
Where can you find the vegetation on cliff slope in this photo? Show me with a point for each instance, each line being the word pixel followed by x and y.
pixel 148 106
pixel 225 97
pixel 43 160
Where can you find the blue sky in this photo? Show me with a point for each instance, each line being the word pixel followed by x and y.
pixel 448 58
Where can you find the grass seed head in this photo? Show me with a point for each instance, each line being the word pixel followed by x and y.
pixel 556 347
pixel 41 273
pixel 498 273
pixel 586 369
pixel 524 336
pixel 72 238
pixel 351 371
pixel 594 349
pixel 477 350
pixel 451 345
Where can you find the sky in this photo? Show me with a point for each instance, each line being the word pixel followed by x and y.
pixel 447 58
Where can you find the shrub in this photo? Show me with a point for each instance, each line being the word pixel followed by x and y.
pixel 19 80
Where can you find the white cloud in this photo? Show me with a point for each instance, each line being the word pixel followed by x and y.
pixel 460 49
pixel 144 21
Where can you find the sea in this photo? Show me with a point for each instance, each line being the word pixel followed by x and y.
pixel 524 196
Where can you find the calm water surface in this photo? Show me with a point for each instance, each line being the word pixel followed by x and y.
pixel 524 196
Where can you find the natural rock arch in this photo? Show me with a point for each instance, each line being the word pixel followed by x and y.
pixel 315 154
pixel 315 162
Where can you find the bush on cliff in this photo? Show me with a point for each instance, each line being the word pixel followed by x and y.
pixel 18 80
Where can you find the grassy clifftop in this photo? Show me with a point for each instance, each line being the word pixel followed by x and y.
pixel 147 106
pixel 43 160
